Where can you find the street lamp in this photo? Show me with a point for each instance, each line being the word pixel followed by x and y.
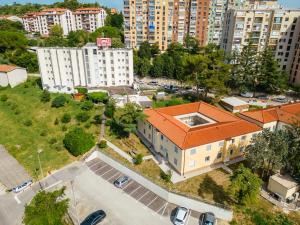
pixel 38 153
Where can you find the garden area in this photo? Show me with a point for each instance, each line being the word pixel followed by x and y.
pixel 33 119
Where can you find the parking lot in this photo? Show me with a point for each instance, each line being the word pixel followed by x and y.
pixel 136 191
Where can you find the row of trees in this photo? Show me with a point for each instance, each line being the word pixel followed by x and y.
pixel 210 68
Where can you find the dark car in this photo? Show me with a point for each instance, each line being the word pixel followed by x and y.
pixel 94 218
pixel 208 219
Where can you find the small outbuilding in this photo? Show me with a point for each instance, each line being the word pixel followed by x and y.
pixel 234 104
pixel 284 187
pixel 12 75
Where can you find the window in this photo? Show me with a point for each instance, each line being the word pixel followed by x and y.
pixel 208 147
pixel 176 149
pixel 193 151
pixel 231 151
pixel 161 137
pixel 221 143
pixel 243 138
pixel 219 155
pixel 175 161
pixel 192 163
pixel 207 158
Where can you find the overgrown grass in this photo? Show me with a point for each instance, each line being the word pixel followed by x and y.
pixel 169 102
pixel 23 140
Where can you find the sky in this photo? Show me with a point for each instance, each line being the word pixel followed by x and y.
pixel 119 3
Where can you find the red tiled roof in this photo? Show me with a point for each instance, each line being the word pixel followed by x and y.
pixel 289 113
pixel 226 124
pixel 7 68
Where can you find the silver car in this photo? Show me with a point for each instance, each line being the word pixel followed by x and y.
pixel 181 216
pixel 121 181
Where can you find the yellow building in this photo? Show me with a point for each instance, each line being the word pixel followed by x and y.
pixel 196 135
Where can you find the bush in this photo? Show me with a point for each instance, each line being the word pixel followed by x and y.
pixel 108 122
pixel 102 144
pixel 45 96
pixel 28 123
pixel 3 98
pixel 78 142
pixel 52 141
pixel 87 105
pixel 82 117
pixel 110 109
pixel 66 118
pixel 64 128
pixel 166 176
pixel 59 101
pixel 56 122
pixel 138 159
pixel 82 90
pixel 98 97
pixel 97 119
pixel 87 125
pixel 44 133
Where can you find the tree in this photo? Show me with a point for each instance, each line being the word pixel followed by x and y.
pixel 157 69
pixel 245 186
pixel 55 37
pixel 106 31
pixel 59 101
pixel 271 78
pixel 27 60
pixel 8 25
pixel 125 119
pixel 267 151
pixel 77 38
pixel 78 142
pixel 169 66
pixel 45 96
pixel 110 108
pixel 192 45
pixel 155 50
pixel 145 50
pixel 114 20
pixel 47 208
pixel 87 105
pixel 10 40
pixel 142 66
pixel 117 43
pixel 82 117
pixel 244 72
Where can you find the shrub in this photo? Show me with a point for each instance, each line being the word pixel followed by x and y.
pixel 56 121
pixel 78 142
pixel 108 122
pixel 82 117
pixel 82 90
pixel 64 128
pixel 87 105
pixel 17 112
pixel 3 98
pixel 28 123
pixel 52 141
pixel 166 176
pixel 44 133
pixel 110 109
pixel 98 97
pixel 66 118
pixel 138 159
pixel 45 96
pixel 87 125
pixel 59 101
pixel 102 144
pixel 97 119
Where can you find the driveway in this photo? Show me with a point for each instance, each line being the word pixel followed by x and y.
pixel 12 173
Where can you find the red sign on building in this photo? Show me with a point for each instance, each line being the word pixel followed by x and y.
pixel 104 42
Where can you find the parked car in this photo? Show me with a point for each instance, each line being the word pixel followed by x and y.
pixel 263 97
pixel 94 218
pixel 247 94
pixel 281 99
pixel 180 216
pixel 121 181
pixel 154 83
pixel 23 186
pixel 208 218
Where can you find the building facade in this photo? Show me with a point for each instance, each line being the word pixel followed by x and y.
pixel 294 73
pixel 64 69
pixel 12 75
pixel 196 135
pixel 265 25
pixel 88 19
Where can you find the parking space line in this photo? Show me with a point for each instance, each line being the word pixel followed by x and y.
pixel 106 172
pixel 94 164
pixel 114 175
pixel 134 190
pixel 166 204
pixel 188 217
pixel 152 201
pixel 100 168
pixel 17 199
pixel 130 182
pixel 144 194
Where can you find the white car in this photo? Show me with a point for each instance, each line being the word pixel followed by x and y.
pixel 22 186
pixel 181 216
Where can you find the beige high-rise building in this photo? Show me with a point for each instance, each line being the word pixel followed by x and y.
pixel 294 73
pixel 265 25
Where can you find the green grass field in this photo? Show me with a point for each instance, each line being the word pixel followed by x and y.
pixel 23 141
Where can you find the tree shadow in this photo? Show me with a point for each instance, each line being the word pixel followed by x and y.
pixel 209 186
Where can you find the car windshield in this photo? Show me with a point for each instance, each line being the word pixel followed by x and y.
pixel 208 223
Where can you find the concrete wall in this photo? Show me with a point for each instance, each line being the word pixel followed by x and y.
pixel 17 76
pixel 3 80
pixel 190 203
pixel 277 188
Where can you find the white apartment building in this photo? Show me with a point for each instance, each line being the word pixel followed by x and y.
pixel 268 26
pixel 88 19
pixel 64 69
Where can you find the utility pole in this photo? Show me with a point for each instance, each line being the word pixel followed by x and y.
pixel 75 202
